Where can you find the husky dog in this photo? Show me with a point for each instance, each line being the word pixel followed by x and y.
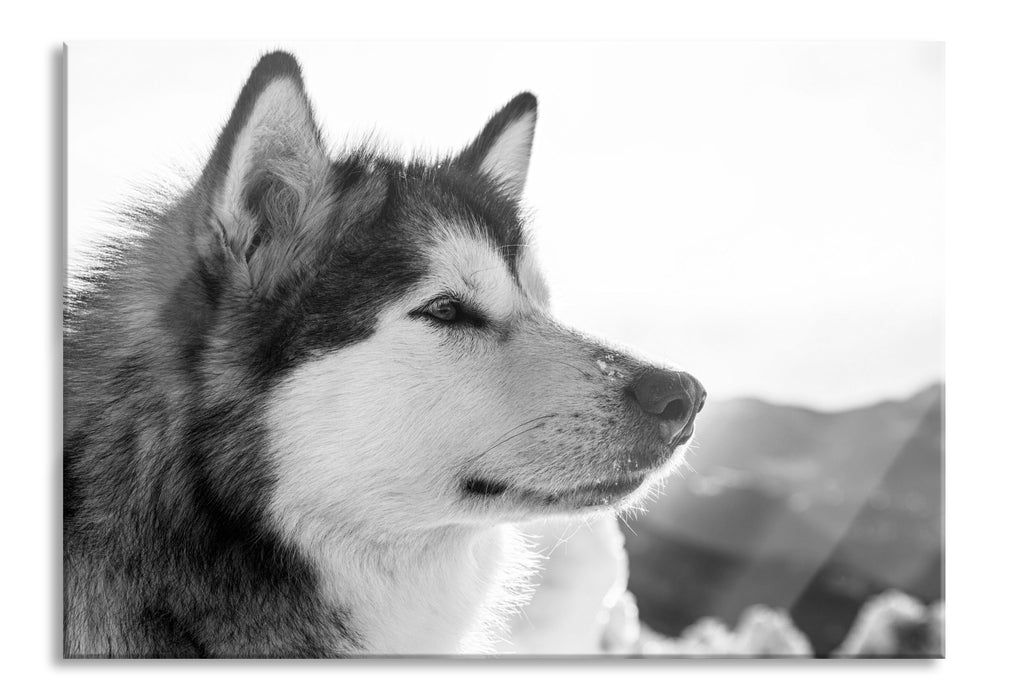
pixel 305 408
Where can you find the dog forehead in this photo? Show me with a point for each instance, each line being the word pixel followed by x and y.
pixel 480 257
pixel 466 260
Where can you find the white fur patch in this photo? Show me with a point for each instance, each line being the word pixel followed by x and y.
pixel 465 264
pixel 507 161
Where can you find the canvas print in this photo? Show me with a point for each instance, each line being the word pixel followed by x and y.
pixel 503 349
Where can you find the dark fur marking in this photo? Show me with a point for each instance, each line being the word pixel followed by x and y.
pixel 174 639
pixel 483 487
pixel 72 493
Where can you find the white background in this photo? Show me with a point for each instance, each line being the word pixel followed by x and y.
pixel 976 344
pixel 767 215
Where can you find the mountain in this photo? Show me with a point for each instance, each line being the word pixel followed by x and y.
pixel 805 510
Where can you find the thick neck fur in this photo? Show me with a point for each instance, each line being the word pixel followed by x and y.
pixel 443 591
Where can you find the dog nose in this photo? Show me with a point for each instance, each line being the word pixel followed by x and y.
pixel 674 398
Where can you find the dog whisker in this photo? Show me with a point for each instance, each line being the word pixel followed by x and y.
pixel 507 436
pixel 581 371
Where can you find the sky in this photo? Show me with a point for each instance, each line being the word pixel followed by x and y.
pixel 768 216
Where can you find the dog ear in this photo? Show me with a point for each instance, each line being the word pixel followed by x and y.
pixel 501 151
pixel 266 176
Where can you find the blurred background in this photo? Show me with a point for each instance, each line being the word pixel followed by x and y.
pixel 768 215
pixel 804 511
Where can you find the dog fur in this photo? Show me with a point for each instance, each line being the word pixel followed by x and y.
pixel 305 408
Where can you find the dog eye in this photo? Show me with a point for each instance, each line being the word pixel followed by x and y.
pixel 444 310
pixel 449 312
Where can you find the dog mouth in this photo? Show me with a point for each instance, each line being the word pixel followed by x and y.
pixel 600 492
pixel 624 475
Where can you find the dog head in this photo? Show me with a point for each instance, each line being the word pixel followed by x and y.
pixel 395 313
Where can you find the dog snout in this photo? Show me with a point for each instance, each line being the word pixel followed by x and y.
pixel 671 398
